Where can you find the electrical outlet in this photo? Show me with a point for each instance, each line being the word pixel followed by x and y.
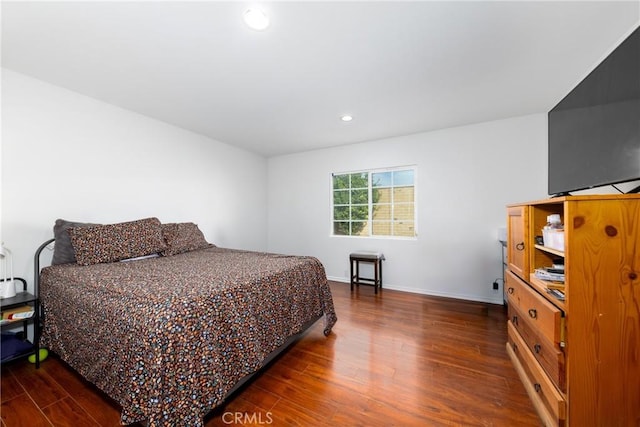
pixel 495 286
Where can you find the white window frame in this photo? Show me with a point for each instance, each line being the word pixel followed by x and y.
pixel 370 173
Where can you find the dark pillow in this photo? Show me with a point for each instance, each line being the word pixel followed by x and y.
pixel 63 251
pixel 12 346
pixel 183 237
pixel 114 242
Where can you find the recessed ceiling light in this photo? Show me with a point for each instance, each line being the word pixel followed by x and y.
pixel 346 118
pixel 256 19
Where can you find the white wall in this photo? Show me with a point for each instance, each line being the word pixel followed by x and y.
pixel 68 156
pixel 466 176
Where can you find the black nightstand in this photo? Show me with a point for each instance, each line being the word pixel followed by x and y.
pixel 23 299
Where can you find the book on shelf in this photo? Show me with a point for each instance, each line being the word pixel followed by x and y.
pixel 544 274
pixel 556 293
pixel 555 285
pixel 17 313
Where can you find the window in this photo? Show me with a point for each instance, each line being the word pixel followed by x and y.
pixel 375 203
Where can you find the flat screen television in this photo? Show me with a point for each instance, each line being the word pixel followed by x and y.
pixel 594 132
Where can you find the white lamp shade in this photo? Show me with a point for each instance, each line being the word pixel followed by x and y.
pixel 7 286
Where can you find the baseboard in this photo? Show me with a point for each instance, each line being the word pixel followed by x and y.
pixel 498 300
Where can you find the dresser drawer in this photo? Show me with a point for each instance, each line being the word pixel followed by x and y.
pixel 549 402
pixel 543 316
pixel 549 355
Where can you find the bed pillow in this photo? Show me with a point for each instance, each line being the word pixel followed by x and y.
pixel 114 242
pixel 63 251
pixel 183 237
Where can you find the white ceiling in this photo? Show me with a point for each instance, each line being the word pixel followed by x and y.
pixel 397 67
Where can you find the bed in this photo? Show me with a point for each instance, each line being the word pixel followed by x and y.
pixel 170 335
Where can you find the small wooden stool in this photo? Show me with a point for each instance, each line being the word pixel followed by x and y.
pixel 376 259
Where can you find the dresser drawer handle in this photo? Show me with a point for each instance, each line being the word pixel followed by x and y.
pixel 533 313
pixel 537 348
pixel 514 320
pixel 515 347
pixel 537 387
pixel 520 246
pixel 510 290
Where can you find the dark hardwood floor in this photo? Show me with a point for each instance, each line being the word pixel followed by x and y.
pixel 393 359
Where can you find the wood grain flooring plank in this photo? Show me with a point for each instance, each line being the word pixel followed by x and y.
pixel 10 386
pixel 298 390
pixel 43 389
pixel 93 401
pixel 21 411
pixel 67 413
pixel 258 397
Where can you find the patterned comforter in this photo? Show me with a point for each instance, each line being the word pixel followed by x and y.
pixel 167 338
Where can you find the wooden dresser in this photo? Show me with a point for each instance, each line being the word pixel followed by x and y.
pixel 579 359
